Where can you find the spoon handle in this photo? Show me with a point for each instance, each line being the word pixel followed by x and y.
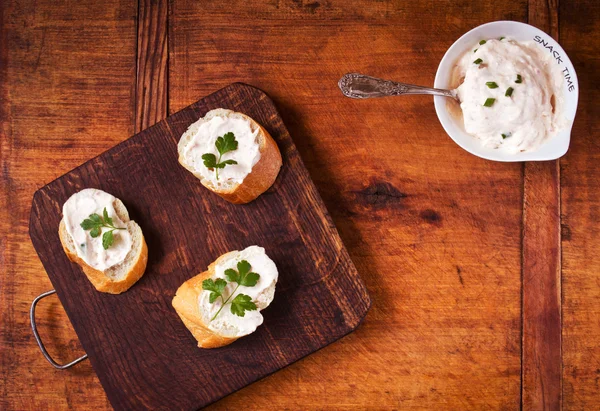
pixel 356 85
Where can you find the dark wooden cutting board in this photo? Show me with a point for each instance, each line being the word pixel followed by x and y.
pixel 143 354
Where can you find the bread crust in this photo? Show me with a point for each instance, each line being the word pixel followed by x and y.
pixel 263 174
pixel 100 281
pixel 186 305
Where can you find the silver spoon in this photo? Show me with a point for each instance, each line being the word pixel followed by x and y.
pixel 356 85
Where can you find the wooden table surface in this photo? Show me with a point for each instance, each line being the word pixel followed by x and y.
pixel 484 276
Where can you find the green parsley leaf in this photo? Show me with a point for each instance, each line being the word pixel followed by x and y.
pixel 222 164
pixel 509 92
pixel 507 135
pixel 216 287
pixel 87 224
pixel 242 303
pixel 224 144
pixel 210 160
pixel 519 79
pixel 501 38
pixel 244 268
pixel 232 275
pixel 107 219
pixel 491 84
pixel 243 277
pixel 95 223
pixel 489 102
pixel 107 239
pixel 211 285
pixel 478 61
pixel 250 280
pixel 475 50
pixel 482 42
pixel 220 284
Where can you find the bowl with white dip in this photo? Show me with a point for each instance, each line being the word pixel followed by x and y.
pixel 518 93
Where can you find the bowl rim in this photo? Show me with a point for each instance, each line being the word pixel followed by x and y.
pixel 440 102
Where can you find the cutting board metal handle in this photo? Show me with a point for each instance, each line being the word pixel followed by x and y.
pixel 39 341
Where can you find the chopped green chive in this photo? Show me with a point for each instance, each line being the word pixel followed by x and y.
pixel 502 38
pixel 506 135
pixel 519 80
pixel 478 61
pixel 491 84
pixel 482 42
pixel 509 92
pixel 489 102
pixel 475 50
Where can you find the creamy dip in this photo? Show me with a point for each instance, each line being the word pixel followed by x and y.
pixel 247 154
pixel 510 93
pixel 262 294
pixel 79 207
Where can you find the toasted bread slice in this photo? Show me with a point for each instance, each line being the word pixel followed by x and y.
pixel 187 304
pixel 263 173
pixel 120 277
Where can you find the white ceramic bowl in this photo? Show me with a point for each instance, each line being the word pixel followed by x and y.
pixel 555 146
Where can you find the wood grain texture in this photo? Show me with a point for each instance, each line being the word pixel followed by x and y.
pixel 67 94
pixel 434 231
pixel 152 56
pixel 142 353
pixel 541 385
pixel 542 367
pixel 580 178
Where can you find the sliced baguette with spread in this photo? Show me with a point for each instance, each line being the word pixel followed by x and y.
pixel 215 324
pixel 114 269
pixel 247 171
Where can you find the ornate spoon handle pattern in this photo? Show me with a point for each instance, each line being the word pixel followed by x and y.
pixel 356 85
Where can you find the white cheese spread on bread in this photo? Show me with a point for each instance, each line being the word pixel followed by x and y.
pixel 79 207
pixel 227 323
pixel 246 155
pixel 511 96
